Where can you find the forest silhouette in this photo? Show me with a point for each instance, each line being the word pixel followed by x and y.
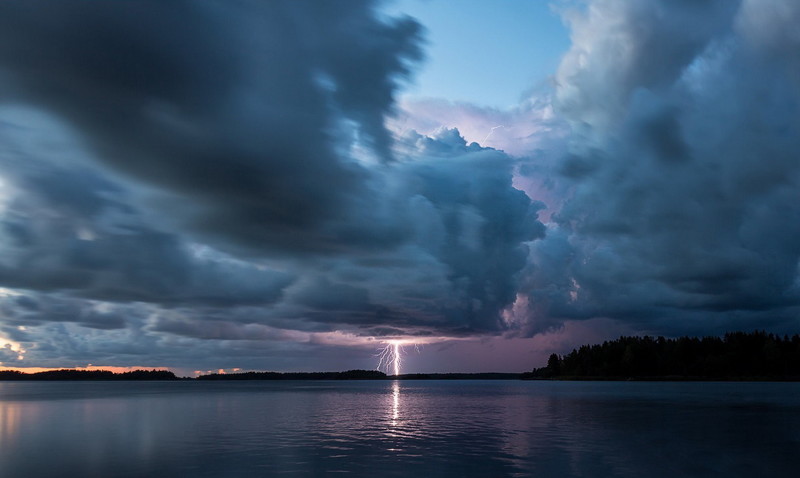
pixel 67 374
pixel 735 356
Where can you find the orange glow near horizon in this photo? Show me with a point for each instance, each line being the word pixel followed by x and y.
pixel 89 367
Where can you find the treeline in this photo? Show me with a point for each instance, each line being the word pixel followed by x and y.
pixel 737 355
pixel 460 376
pixel 166 375
pixel 88 375
pixel 348 375
pixel 357 375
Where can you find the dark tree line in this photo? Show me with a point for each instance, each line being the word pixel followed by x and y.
pixel 88 375
pixel 737 355
pixel 459 376
pixel 356 375
pixel 348 375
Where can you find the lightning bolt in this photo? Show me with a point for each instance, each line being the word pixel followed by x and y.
pixel 490 133
pixel 390 357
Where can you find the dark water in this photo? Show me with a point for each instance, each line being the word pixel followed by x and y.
pixel 417 429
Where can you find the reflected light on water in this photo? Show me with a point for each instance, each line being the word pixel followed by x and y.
pixel 446 429
pixel 395 402
pixel 9 422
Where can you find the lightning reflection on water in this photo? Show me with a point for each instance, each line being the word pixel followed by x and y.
pixel 395 402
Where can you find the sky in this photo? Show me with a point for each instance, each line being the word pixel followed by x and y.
pixel 519 51
pixel 208 185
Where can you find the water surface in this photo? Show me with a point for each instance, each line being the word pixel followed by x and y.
pixel 409 428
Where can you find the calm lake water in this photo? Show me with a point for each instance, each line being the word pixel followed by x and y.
pixel 411 428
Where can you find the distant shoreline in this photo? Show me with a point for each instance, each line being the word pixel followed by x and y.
pixel 160 375
pixel 735 357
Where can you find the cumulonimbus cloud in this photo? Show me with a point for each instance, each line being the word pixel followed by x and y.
pixel 194 171
pixel 683 167
pixel 193 179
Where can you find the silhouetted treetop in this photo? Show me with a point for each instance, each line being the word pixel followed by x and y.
pixel 736 355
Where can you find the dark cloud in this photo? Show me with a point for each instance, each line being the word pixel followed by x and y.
pixel 224 182
pixel 322 294
pixel 467 231
pixel 38 309
pixel 68 228
pixel 235 110
pixel 189 173
pixel 684 169
pixel 484 222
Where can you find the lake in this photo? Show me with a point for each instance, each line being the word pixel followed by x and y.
pixel 409 428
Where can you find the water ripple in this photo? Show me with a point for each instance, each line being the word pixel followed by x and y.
pixel 438 429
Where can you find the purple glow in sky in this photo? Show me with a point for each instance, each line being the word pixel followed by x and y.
pixel 291 185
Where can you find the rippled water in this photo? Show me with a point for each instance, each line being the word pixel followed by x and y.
pixel 422 429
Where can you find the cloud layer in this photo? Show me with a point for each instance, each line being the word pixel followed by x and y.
pixel 207 184
pixel 196 181
pixel 683 165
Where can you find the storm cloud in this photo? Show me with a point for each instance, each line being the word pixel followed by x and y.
pixel 192 172
pixel 236 112
pixel 683 164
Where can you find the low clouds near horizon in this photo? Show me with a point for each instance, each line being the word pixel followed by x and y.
pixel 206 182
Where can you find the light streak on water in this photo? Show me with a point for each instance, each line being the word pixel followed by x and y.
pixel 395 402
